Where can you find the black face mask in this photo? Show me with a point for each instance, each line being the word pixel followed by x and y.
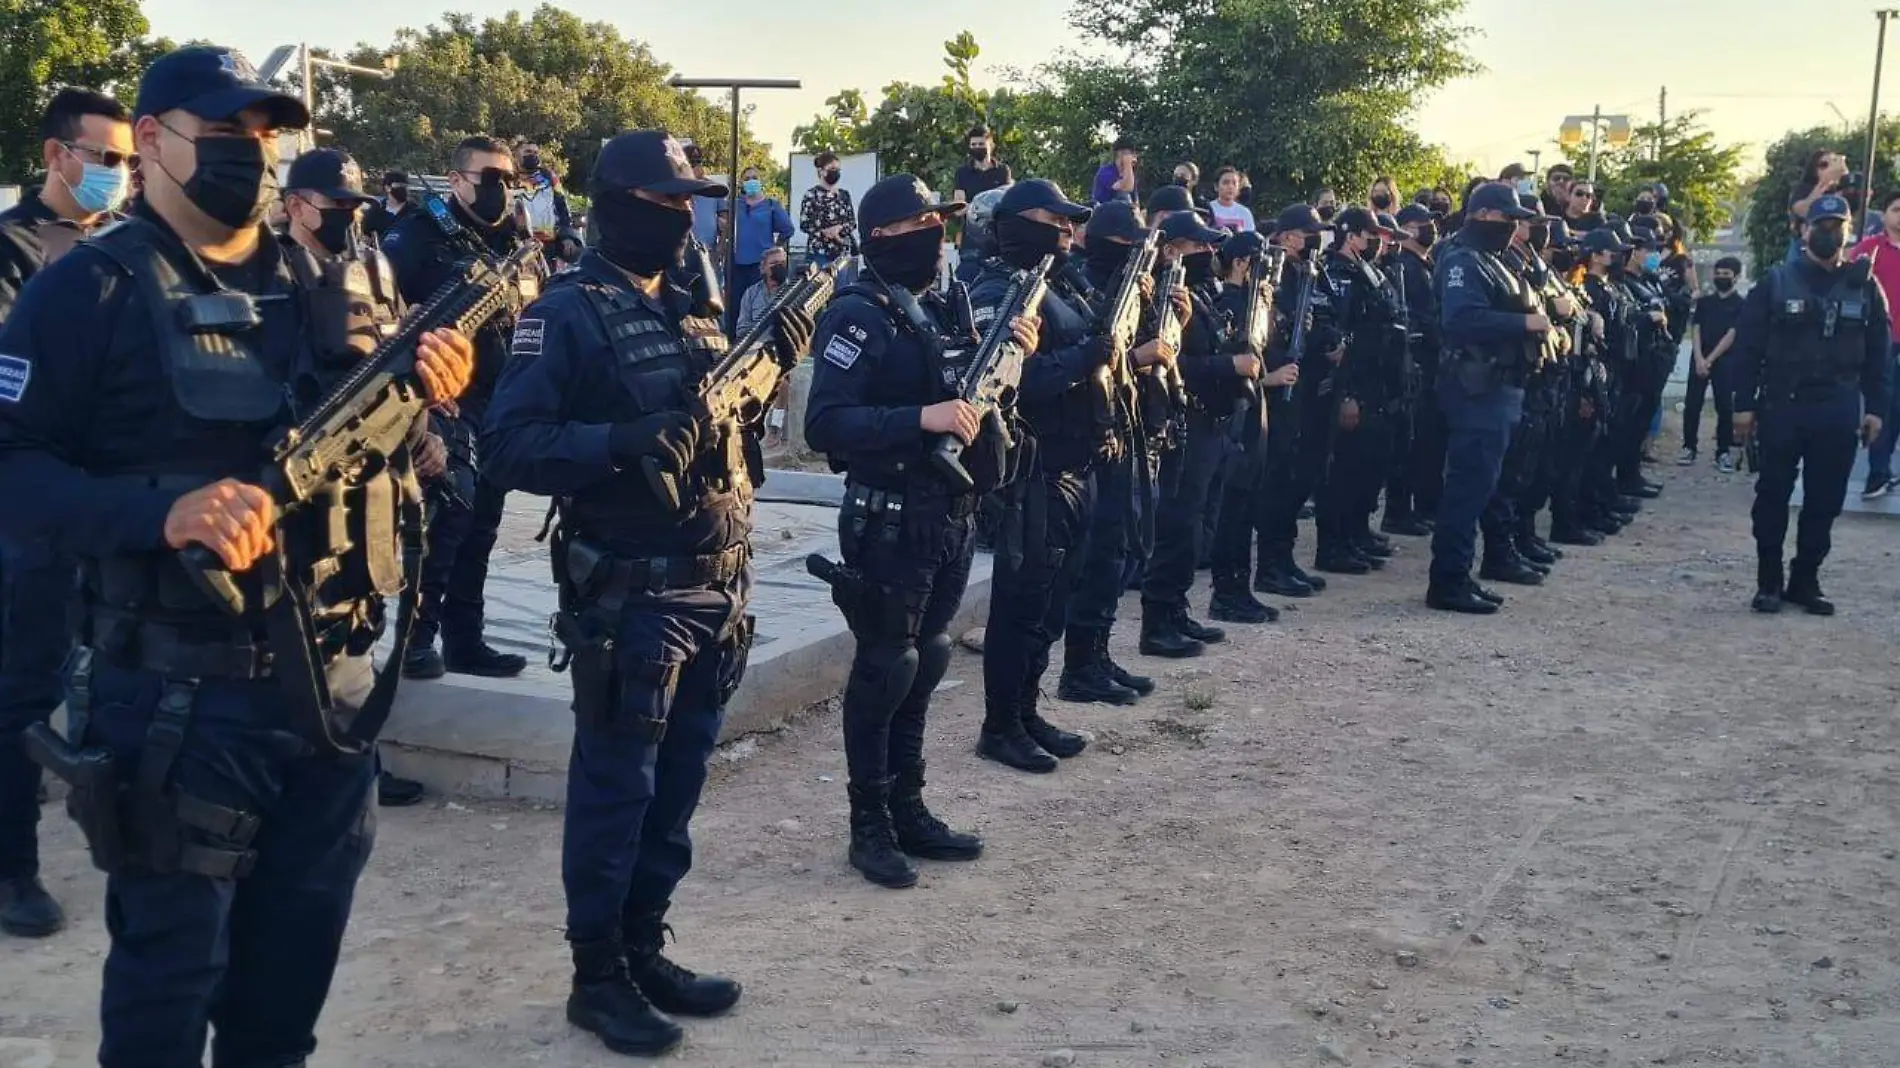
pixel 337 232
pixel 1024 242
pixel 979 153
pixel 910 260
pixel 1826 242
pixel 398 193
pixel 1645 207
pixel 639 235
pixel 1723 285
pixel 1105 257
pixel 777 273
pixel 491 202
pixel 1382 201
pixel 831 177
pixel 1327 212
pixel 1492 235
pixel 1562 259
pixel 1200 267
pixel 1426 237
pixel 232 183
pixel 1540 237
pixel 531 163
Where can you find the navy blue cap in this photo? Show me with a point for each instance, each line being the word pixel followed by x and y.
pixel 1118 220
pixel 1604 239
pixel 1242 246
pixel 649 160
pixel 1529 202
pixel 896 198
pixel 1040 193
pixel 1299 217
pixel 1494 197
pixel 1628 235
pixel 1831 206
pixel 215 83
pixel 1360 221
pixel 1414 213
pixel 1386 220
pixel 330 172
pixel 1187 226
pixel 1173 198
pixel 1560 235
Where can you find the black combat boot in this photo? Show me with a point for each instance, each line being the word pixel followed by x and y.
pixel 1195 630
pixel 1162 636
pixel 480 659
pixel 1085 676
pixel 874 849
pixel 1804 588
pixel 921 834
pixel 1576 535
pixel 1239 606
pixel 1006 742
pixel 1767 586
pixel 1338 558
pixel 1054 740
pixel 27 910
pixel 1141 684
pixel 1400 520
pixel 1279 576
pixel 671 988
pixel 1503 565
pixel 1463 599
pixel 423 662
pixel 605 1002
pixel 1488 593
pixel 1318 583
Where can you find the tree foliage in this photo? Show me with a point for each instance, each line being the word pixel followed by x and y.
pixel 549 77
pixel 46 45
pixel 1766 227
pixel 1703 176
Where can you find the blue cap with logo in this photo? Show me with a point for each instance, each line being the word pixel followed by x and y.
pixel 1117 220
pixel 896 198
pixel 1414 213
pixel 1494 197
pixel 331 173
pixel 215 83
pixel 1040 193
pixel 651 160
pixel 1187 226
pixel 1830 206
pixel 1303 217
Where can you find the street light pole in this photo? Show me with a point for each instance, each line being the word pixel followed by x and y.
pixel 1873 112
pixel 732 177
pixel 1596 133
pixel 310 63
pixel 1537 159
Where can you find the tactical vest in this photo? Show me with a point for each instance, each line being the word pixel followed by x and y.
pixel 1817 339
pixel 1077 428
pixel 660 368
pixel 1513 360
pixel 230 360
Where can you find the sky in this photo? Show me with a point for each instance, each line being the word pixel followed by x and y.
pixel 1711 55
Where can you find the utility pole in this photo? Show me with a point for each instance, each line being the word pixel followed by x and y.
pixel 1873 112
pixel 1662 120
pixel 1596 134
pixel 732 179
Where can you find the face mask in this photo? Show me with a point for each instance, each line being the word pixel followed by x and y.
pixel 640 235
pixel 337 232
pixel 777 273
pixel 398 193
pixel 1024 242
pixel 491 202
pixel 532 163
pixel 1526 187
pixel 1645 207
pixel 231 184
pixel 910 260
pixel 1200 267
pixel 1382 201
pixel 1492 235
pixel 100 189
pixel 1105 257
pixel 1540 236
pixel 979 152
pixel 1562 259
pixel 1326 212
pixel 1426 236
pixel 1825 242
pixel 1652 260
pixel 831 177
pixel 1441 208
pixel 753 187
pixel 1723 285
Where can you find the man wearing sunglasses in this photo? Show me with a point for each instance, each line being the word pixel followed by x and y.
pixel 142 376
pixel 86 143
pixel 482 183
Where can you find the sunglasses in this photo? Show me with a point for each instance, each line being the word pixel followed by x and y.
pixel 1582 193
pixel 104 156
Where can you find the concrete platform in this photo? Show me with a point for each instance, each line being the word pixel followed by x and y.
pixel 1887 507
pixel 511 737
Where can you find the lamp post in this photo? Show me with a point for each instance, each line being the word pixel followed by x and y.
pixel 1615 129
pixel 280 58
pixel 1537 158
pixel 1873 112
pixel 732 179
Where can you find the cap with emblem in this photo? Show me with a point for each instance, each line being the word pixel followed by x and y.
pixel 1530 203
pixel 1172 198
pixel 1040 193
pixel 649 160
pixel 1361 221
pixel 1494 197
pixel 1831 206
pixel 1187 226
pixel 1560 235
pixel 896 198
pixel 1414 213
pixel 1117 220
pixel 331 173
pixel 1299 217
pixel 1242 246
pixel 1603 239
pixel 215 83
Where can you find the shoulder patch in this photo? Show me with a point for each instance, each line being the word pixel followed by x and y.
pixel 1455 276
pixel 529 334
pixel 14 374
pixel 857 332
pixel 843 353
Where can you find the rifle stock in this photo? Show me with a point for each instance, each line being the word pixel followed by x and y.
pixel 994 371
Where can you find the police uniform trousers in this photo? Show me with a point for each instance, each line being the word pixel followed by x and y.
pixel 1111 541
pixel 1477 434
pixel 1400 423
pixel 455 569
pixel 1186 484
pixel 1600 490
pixel 1243 511
pixel 1039 555
pixel 36 595
pixel 921 566
pixel 1511 507
pixel 251 957
pixel 1354 477
pixel 1638 405
pixel 1813 437
pixel 1425 455
pixel 1297 440
pixel 1577 441
pixel 630 796
pixel 1547 404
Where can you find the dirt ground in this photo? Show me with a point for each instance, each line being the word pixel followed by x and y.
pixel 1624 822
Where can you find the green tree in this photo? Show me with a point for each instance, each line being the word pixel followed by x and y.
pixel 549 77
pixel 1766 226
pixel 1701 174
pixel 46 45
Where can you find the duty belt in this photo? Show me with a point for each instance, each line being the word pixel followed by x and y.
pixel 178 651
pixel 600 575
pixel 930 496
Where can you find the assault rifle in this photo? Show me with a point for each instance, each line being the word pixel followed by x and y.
pixel 994 372
pixel 1168 332
pixel 738 388
pixel 1303 315
pixel 1252 335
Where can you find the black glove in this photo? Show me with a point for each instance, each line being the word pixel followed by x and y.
pixel 792 329
pixel 669 437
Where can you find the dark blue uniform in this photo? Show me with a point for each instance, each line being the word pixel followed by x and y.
pixel 1480 390
pixel 245 841
pixel 1811 354
pixel 660 596
pixel 1298 426
pixel 1365 317
pixel 1420 472
pixel 36 596
pixel 462 527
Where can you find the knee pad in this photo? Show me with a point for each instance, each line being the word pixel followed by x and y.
pixel 884 673
pixel 933 660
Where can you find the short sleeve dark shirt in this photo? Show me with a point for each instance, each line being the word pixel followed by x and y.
pixel 973 180
pixel 1715 316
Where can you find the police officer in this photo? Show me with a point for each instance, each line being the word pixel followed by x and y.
pixel 1066 402
pixel 86 145
pixel 593 411
pixel 1490 335
pixel 1577 514
pixel 888 348
pixel 1362 327
pixel 1502 519
pixel 481 179
pixel 1089 673
pixel 1297 428
pixel 240 837
pixel 1418 471
pixel 1811 340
